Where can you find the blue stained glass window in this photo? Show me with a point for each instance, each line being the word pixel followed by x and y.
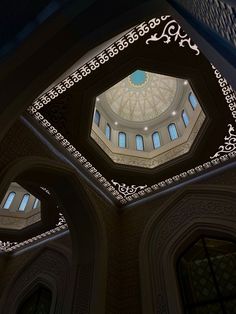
pixel 108 132
pixel 24 202
pixel 36 203
pixel 122 140
pixel 9 200
pixel 185 118
pixel 172 131
pixel 193 100
pixel 139 142
pixel 97 117
pixel 156 140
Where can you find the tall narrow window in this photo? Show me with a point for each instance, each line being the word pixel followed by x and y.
pixel 172 131
pixel 38 302
pixel 185 118
pixel 193 100
pixel 24 202
pixel 207 276
pixel 97 117
pixel 36 203
pixel 156 140
pixel 122 140
pixel 9 200
pixel 139 142
pixel 108 132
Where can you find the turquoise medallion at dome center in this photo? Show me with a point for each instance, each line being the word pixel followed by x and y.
pixel 138 78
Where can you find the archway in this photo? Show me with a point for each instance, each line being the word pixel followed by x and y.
pixel 187 215
pixel 85 224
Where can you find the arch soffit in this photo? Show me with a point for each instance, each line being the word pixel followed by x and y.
pixel 164 238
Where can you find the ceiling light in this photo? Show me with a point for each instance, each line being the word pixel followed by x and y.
pixel 98 98
pixel 185 82
pixel 173 113
pixel 116 123
pixel 146 128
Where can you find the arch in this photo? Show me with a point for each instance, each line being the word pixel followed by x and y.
pixel 108 131
pixel 24 202
pixel 185 118
pixel 36 203
pixel 86 227
pixel 42 296
pixel 122 140
pixel 156 141
pixel 9 200
pixel 185 216
pixel 173 131
pixel 139 142
pixel 97 118
pixel 192 100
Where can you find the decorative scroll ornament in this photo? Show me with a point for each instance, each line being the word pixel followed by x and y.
pixel 173 31
pixel 229 145
pixel 128 190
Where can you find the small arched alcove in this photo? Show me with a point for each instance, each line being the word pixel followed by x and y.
pixel 38 301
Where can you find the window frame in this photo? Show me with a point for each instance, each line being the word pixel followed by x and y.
pixel 9 194
pixel 159 138
pixel 125 139
pixel 139 136
pixel 169 125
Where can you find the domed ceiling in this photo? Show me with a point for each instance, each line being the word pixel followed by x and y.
pixel 141 96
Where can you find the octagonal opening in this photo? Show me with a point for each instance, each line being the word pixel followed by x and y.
pixel 147 119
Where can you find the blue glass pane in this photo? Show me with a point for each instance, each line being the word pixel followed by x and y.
pixel 24 202
pixel 36 203
pixel 185 118
pixel 193 100
pixel 122 140
pixel 9 200
pixel 139 142
pixel 108 131
pixel 156 140
pixel 138 77
pixel 97 118
pixel 172 131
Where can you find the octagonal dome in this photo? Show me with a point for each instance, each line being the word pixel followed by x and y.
pixel 141 96
pixel 147 119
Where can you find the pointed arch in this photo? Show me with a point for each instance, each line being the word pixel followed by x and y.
pixel 184 216
pixel 89 244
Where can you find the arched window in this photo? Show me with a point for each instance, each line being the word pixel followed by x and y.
pixel 108 132
pixel 185 118
pixel 122 140
pixel 193 100
pixel 207 276
pixel 24 202
pixel 156 141
pixel 38 302
pixel 9 200
pixel 97 117
pixel 36 203
pixel 173 131
pixel 139 142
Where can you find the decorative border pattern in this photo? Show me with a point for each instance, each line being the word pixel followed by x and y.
pixel 8 246
pixel 229 145
pixel 172 30
pixel 128 190
pixel 230 98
